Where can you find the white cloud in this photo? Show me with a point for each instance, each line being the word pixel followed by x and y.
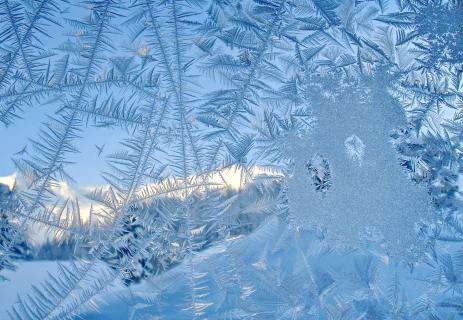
pixel 233 177
pixel 64 190
pixel 9 180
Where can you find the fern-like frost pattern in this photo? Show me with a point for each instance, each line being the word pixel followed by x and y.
pixel 231 159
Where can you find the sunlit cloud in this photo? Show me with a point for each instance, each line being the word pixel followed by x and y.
pixel 64 190
pixel 230 178
pixel 9 180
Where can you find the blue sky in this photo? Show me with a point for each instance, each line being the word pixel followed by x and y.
pixel 87 164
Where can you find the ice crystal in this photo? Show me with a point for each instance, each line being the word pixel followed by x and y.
pixel 231 151
pixel 320 173
pixel 376 194
pixel 355 149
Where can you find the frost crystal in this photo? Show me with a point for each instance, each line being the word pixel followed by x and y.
pixel 319 170
pixel 218 156
pixel 355 149
pixel 378 194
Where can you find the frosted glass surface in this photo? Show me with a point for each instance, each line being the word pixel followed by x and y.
pixel 231 159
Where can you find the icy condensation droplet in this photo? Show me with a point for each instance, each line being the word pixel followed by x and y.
pixel 355 149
